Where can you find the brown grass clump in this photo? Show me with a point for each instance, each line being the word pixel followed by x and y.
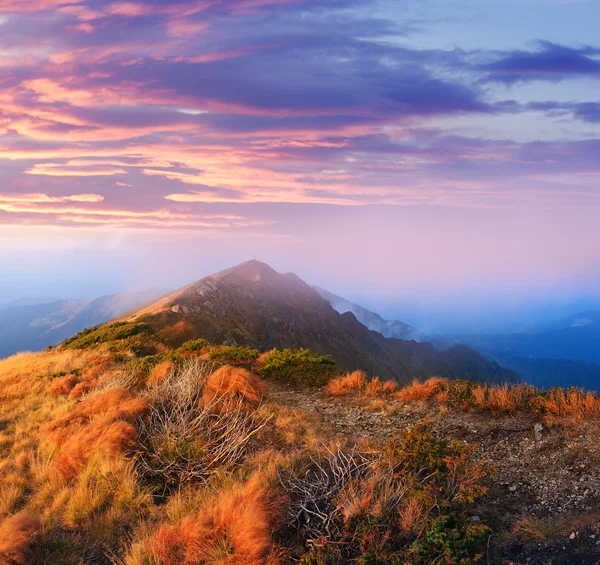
pixel 16 537
pixel 234 528
pixel 82 388
pixel 572 403
pixel 160 373
pixel 231 388
pixel 422 391
pixel 63 385
pixel 177 334
pixel 348 384
pixel 502 398
pixel 530 528
pixel 378 388
pixel 101 425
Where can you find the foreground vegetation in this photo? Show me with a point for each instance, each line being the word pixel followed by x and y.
pixel 135 447
pixel 572 404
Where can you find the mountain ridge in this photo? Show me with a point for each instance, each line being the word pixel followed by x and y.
pixel 253 305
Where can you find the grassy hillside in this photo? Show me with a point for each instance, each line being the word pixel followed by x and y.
pixel 119 447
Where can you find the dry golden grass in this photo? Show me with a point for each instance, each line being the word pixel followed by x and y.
pixel 377 388
pixel 420 391
pixel 232 528
pixel 530 528
pixel 101 424
pixel 160 373
pixel 574 404
pixel 348 384
pixel 16 537
pixel 502 398
pixel 567 405
pixel 63 385
pixel 72 481
pixel 232 388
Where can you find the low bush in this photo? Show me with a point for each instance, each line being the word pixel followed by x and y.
pixel 296 365
pixel 406 504
pixel 193 431
pixel 232 354
pixel 193 347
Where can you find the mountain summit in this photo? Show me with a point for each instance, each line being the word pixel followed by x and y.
pixel 253 305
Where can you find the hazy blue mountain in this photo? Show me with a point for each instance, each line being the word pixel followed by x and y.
pixel 575 337
pixel 33 327
pixel 373 321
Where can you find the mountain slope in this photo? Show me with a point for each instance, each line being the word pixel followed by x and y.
pixel 373 321
pixel 253 305
pixel 36 326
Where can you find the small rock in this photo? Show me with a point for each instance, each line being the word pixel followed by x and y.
pixel 537 431
pixel 513 488
pixel 475 518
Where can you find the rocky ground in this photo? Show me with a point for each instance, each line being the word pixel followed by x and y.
pixel 551 473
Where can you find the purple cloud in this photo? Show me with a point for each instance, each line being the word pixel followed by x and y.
pixel 551 62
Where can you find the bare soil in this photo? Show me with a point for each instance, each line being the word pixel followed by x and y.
pixel 554 476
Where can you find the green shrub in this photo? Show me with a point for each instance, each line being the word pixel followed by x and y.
pixel 92 337
pixel 296 365
pixel 233 354
pixel 193 346
pixel 140 346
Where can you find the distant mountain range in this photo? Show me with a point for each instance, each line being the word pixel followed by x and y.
pixel 253 305
pixel 33 324
pixel 373 321
pixel 559 353
pixel 575 337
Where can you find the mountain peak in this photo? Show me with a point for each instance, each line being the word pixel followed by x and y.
pixel 253 305
pixel 252 270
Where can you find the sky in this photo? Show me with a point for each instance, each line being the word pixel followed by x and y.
pixel 438 161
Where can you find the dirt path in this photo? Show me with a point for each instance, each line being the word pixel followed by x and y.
pixel 558 474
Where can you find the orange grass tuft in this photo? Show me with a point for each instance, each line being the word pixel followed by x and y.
pixel 234 529
pixel 160 373
pixel 230 388
pixel 502 398
pixel 177 334
pixel 16 538
pixel 573 403
pixel 100 425
pixel 348 384
pixel 422 391
pixel 378 388
pixel 63 385
pixel 82 388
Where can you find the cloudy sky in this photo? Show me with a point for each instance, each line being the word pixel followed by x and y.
pixel 417 155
